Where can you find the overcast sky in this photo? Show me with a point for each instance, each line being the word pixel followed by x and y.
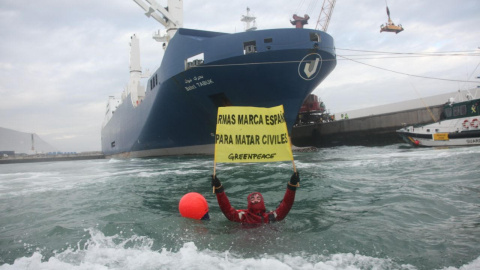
pixel 61 59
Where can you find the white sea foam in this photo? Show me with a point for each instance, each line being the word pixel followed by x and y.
pixel 387 157
pixel 34 182
pixel 150 174
pixel 112 160
pixel 115 252
pixel 153 174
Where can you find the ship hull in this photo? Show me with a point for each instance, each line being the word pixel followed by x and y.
pixel 178 114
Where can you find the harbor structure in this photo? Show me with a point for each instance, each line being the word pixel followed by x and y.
pixel 375 125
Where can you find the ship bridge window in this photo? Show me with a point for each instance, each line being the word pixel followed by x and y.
pixel 314 37
pixel 194 61
pixel 460 110
pixel 249 47
pixel 153 82
pixel 448 112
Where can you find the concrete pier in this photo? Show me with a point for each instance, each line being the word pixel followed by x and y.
pixel 376 125
pixel 46 158
pixel 368 130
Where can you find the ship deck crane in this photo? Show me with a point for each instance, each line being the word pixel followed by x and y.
pixel 171 17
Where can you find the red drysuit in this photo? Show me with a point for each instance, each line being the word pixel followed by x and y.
pixel 256 214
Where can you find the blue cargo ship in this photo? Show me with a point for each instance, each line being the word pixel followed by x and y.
pixel 176 112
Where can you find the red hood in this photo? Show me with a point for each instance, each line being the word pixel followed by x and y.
pixel 258 208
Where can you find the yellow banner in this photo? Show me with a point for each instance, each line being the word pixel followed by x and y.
pixel 251 134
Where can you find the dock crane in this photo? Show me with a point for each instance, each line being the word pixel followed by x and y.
pixel 325 14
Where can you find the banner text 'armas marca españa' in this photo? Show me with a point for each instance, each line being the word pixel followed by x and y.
pixel 251 134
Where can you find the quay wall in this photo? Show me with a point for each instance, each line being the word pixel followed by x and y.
pixel 368 130
pixel 29 159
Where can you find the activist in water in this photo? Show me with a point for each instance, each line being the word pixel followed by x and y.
pixel 256 213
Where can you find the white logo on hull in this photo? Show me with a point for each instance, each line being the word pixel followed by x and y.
pixel 309 71
pixel 310 66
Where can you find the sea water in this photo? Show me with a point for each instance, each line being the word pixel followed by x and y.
pixel 389 207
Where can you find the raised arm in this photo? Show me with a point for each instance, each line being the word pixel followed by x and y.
pixel 282 210
pixel 227 209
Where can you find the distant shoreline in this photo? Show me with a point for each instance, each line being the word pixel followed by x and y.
pixel 92 155
pixel 29 159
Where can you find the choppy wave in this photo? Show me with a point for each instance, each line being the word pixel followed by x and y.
pixel 357 208
pixel 135 252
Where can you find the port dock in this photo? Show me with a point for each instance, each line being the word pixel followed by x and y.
pixel 50 158
pixel 376 125
pixel 368 130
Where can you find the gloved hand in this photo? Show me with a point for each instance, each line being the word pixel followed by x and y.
pixel 295 179
pixel 217 186
pixel 215 182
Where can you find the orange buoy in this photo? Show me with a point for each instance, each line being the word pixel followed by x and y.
pixel 193 205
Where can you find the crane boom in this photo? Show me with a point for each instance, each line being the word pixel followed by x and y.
pixel 170 17
pixel 325 14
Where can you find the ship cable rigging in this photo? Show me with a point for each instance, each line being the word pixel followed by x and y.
pixel 300 4
pixel 345 58
pixel 397 55
pixel 407 74
pixel 423 101
pixel 473 72
pixel 425 104
pixel 385 55
pixel 311 6
pixel 444 53
pixel 379 57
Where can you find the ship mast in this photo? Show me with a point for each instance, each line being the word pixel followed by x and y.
pixel 248 19
pixel 134 87
pixel 171 17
